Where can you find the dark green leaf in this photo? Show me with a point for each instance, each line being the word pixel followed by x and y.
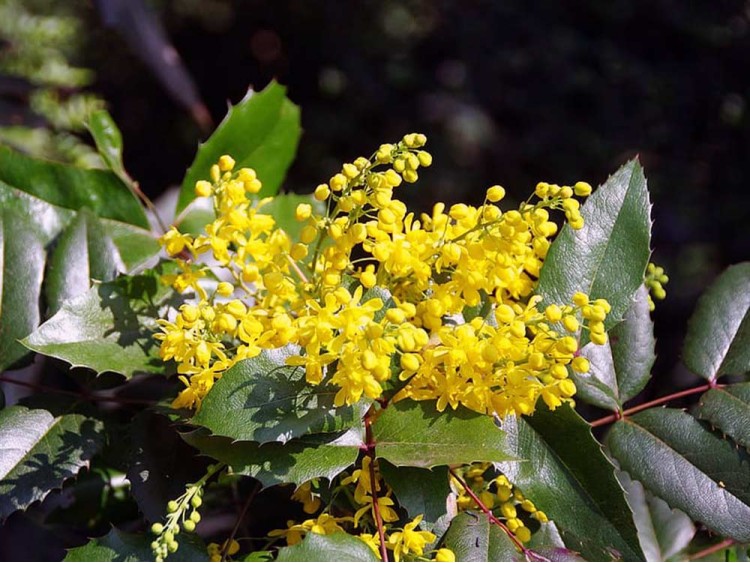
pixel 83 253
pixel 122 546
pixel 21 272
pixel 606 258
pixel 72 188
pixel 419 491
pixel 332 547
pixel 260 132
pixel 39 451
pixel 108 328
pixel 415 434
pixel 632 342
pixel 264 400
pixel 160 464
pixel 472 537
pixel 688 466
pixel 297 461
pixel 599 386
pixel 718 336
pixel 567 476
pixel 728 409
pixel 108 141
pixel 663 531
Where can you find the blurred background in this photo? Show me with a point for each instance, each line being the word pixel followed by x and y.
pixel 508 92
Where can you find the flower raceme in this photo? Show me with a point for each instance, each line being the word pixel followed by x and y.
pixel 375 300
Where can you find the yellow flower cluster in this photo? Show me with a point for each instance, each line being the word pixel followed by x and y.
pixel 655 281
pixel 498 495
pixel 439 306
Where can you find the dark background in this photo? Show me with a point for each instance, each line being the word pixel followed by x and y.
pixel 508 92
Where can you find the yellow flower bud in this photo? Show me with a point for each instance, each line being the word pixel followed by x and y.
pixel 582 189
pixel 303 211
pixel 580 364
pixel 203 188
pixel 322 192
pixel 570 323
pixel 580 299
pixel 553 313
pixel 495 194
pixel 445 555
pixel 308 234
pixel 225 289
pixel 226 163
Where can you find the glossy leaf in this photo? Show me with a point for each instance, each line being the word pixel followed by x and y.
pixel 568 477
pixel 663 531
pixel 264 400
pixel 137 247
pixel 108 141
pixel 260 132
pixel 84 252
pixel 415 434
pixel 283 207
pixel 418 490
pixel 39 451
pixel 728 409
pixel 122 546
pixel 331 547
pixel 472 537
pixel 598 386
pixel 688 466
pixel 296 461
pixel 71 188
pixel 718 337
pixel 108 328
pixel 606 258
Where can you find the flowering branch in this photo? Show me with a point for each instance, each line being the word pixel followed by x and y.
pixel 656 402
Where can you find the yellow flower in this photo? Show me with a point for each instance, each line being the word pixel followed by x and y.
pixel 408 541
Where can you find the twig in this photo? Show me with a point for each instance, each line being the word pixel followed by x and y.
pixel 712 549
pixel 78 394
pixel 240 518
pixel 373 481
pixel 656 402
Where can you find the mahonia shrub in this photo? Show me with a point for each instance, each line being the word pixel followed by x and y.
pixel 345 379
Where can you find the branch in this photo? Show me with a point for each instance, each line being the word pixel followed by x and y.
pixel 713 549
pixel 656 402
pixel 370 452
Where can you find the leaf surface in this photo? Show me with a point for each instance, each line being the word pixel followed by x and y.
pixel 39 451
pixel 418 490
pixel 728 409
pixel 413 433
pixel 718 337
pixel 688 466
pixel 122 546
pixel 568 477
pixel 331 547
pixel 260 132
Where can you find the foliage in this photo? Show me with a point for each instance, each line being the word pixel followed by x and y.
pixel 404 385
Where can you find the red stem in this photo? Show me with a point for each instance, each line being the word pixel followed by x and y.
pixel 713 549
pixel 660 401
pixel 489 514
pixel 78 394
pixel 370 452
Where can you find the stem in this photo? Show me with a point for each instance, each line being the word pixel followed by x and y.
pixel 237 524
pixel 491 516
pixel 713 549
pixel 136 189
pixel 660 401
pixel 373 479
pixel 81 395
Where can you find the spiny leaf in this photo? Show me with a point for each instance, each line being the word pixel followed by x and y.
pixel 728 409
pixel 39 451
pixel 415 434
pixel 260 132
pixel 418 490
pixel 606 258
pixel 688 466
pixel 264 400
pixel 718 336
pixel 568 477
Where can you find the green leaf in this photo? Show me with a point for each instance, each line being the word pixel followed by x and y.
pixel 71 188
pixel 718 335
pixel 264 400
pixel 39 451
pixel 283 207
pixel 598 387
pixel 122 546
pixel 415 434
pixel 472 537
pixel 547 543
pixel 418 490
pixel 108 141
pixel 606 258
pixel 21 272
pixel 568 477
pixel 633 347
pixel 137 247
pixel 728 409
pixel 108 328
pixel 664 532
pixel 688 466
pixel 297 461
pixel 260 132
pixel 333 547
pixel 83 253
